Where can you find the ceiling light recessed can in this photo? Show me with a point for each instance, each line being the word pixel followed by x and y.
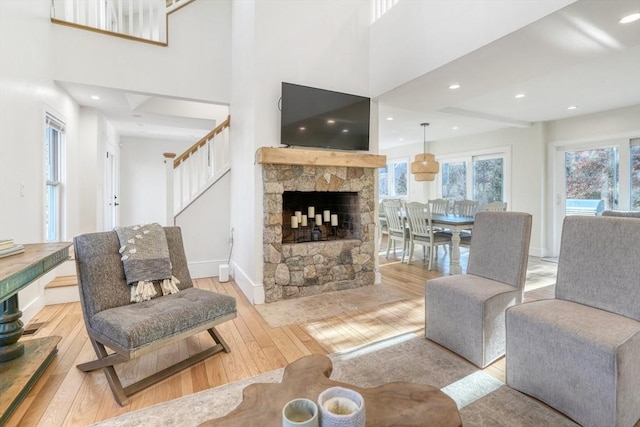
pixel 331 121
pixel 630 18
pixel 455 128
pixel 454 86
pixel 302 128
pixel 520 95
pixel 389 118
pixel 572 107
pixel 345 130
pixel 96 97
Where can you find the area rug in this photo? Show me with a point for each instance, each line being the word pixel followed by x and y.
pixel 481 399
pixel 327 304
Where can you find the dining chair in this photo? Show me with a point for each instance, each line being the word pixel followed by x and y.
pixel 383 226
pixel 421 231
pixel 466 312
pixel 465 207
pixel 395 223
pixel 439 206
pixel 494 206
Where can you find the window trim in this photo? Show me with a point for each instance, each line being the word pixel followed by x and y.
pixel 391 182
pixel 52 121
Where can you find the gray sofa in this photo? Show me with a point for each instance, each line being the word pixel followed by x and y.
pixel 580 352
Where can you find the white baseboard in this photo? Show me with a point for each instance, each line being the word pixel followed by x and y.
pixel 199 269
pixel 253 291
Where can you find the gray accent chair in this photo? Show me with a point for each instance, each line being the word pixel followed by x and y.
pixel 580 352
pixel 465 312
pixel 627 214
pixel 132 330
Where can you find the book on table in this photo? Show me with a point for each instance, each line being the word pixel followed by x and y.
pixel 6 244
pixel 13 250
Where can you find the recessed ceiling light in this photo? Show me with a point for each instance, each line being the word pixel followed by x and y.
pixel 455 128
pixel 330 121
pixel 401 139
pixel 572 107
pixel 345 130
pixel 520 95
pixel 630 18
pixel 389 118
pixel 454 86
pixel 302 128
pixel 96 97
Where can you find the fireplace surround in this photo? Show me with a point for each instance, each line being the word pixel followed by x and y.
pixel 295 269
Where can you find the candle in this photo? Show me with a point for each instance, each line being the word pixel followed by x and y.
pixel 312 211
pixel 327 216
pixel 334 220
pixel 304 221
pixel 298 215
pixel 318 219
pixel 294 222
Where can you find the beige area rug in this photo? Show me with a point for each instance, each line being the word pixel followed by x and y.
pixel 328 304
pixel 482 400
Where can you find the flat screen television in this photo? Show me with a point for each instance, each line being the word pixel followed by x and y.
pixel 314 117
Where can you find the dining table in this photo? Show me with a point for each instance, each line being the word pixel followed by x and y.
pixel 454 223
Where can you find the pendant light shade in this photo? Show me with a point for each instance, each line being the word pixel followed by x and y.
pixel 425 167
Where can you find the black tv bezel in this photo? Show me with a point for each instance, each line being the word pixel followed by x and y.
pixel 320 136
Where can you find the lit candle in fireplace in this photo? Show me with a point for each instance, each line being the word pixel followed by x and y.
pixel 327 216
pixel 299 216
pixel 294 222
pixel 304 221
pixel 334 220
pixel 318 219
pixel 312 211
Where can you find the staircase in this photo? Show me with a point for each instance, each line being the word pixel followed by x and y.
pixel 190 174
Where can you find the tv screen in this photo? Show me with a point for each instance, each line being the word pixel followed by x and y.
pixel 314 117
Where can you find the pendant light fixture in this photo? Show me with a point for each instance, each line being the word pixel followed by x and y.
pixel 425 167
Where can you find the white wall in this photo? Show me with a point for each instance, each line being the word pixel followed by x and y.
pixel 195 65
pixel 418 191
pixel 205 229
pixel 143 185
pixel 320 44
pixel 424 35
pixel 27 91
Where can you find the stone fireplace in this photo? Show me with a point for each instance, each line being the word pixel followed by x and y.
pixel 344 258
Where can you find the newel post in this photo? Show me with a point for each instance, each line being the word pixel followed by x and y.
pixel 168 162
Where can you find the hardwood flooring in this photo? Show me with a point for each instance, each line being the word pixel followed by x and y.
pixel 64 396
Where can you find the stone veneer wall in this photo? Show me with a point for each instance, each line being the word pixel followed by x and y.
pixel 302 269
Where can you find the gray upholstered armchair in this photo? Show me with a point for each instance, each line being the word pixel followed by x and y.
pixel 465 312
pixel 580 352
pixel 134 329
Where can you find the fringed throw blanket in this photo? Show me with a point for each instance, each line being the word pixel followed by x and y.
pixel 145 257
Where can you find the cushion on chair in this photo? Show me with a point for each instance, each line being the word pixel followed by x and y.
pixel 602 285
pixel 135 325
pixel 465 313
pixel 580 360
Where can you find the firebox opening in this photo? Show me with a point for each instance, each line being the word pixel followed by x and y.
pixel 338 211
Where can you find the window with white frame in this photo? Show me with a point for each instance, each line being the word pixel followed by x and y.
pixel 394 179
pixel 54 140
pixel 479 177
pixel 634 170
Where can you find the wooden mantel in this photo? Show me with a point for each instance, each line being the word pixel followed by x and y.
pixel 290 156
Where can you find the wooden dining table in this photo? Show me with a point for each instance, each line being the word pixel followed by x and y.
pixel 454 223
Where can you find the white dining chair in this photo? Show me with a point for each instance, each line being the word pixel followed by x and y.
pixel 395 224
pixel 465 207
pixel 494 206
pixel 439 206
pixel 421 231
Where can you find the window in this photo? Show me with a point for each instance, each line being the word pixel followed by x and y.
pixel 54 138
pixel 393 179
pixel 477 177
pixel 592 175
pixel 635 174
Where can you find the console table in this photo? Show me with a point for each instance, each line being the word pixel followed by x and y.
pixel 23 362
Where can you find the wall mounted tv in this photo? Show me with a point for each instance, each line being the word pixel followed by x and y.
pixel 314 117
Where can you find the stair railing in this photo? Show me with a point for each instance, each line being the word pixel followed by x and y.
pixel 195 170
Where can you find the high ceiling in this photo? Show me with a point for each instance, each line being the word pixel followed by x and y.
pixel 578 56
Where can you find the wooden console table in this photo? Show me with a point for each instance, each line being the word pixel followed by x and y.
pixel 23 362
pixel 392 404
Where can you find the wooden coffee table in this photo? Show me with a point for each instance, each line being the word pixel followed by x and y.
pixel 392 404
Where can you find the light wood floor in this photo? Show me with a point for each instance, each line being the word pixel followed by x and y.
pixel 64 396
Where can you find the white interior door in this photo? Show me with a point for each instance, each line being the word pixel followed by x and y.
pixel 111 186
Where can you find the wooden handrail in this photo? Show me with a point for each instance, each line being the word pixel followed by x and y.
pixel 182 157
